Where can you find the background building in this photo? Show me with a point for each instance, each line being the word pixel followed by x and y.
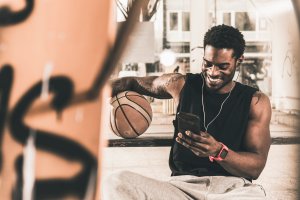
pixel 269 28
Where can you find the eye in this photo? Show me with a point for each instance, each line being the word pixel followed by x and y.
pixel 207 64
pixel 223 66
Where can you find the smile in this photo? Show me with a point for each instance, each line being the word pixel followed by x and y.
pixel 213 80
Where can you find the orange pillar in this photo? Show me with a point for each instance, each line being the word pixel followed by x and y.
pixel 50 134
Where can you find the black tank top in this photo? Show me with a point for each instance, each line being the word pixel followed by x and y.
pixel 229 127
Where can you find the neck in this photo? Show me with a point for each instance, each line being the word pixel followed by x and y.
pixel 224 89
pixel 206 125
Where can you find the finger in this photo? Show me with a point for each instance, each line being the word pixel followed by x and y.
pixel 184 138
pixel 205 134
pixel 199 153
pixel 195 150
pixel 204 147
pixel 182 142
pixel 196 137
pixel 188 140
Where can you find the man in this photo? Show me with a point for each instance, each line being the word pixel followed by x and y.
pixel 231 149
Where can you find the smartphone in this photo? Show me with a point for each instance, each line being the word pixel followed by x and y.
pixel 188 121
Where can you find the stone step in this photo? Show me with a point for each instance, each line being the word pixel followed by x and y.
pixel 278 117
pixel 286 118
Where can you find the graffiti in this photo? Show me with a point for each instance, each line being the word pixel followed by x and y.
pixel 48 141
pixel 6 76
pixel 289 62
pixel 62 87
pixel 62 90
pixel 7 17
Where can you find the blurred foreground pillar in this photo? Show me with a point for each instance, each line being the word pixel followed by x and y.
pixel 50 52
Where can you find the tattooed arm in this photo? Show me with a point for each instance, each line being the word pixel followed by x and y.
pixel 165 86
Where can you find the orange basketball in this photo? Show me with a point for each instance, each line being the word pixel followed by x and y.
pixel 131 114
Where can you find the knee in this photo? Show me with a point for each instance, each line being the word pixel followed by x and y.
pixel 116 177
pixel 117 182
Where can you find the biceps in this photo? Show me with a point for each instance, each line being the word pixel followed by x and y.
pixel 152 86
pixel 257 139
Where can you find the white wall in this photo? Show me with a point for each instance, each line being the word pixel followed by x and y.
pixel 285 64
pixel 199 26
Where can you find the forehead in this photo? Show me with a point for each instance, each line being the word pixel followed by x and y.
pixel 218 54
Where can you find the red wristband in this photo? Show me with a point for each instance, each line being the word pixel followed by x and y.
pixel 221 155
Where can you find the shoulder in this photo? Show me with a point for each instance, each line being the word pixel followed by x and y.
pixel 260 106
pixel 174 77
pixel 174 82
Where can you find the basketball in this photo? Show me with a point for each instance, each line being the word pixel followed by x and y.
pixel 131 114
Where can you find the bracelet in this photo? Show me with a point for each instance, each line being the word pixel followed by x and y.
pixel 221 155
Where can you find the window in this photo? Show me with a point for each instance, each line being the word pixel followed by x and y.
pixel 227 19
pixel 173 21
pixel 179 47
pixel 245 21
pixel 185 21
pixel 179 21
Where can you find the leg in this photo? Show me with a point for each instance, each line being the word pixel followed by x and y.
pixel 195 187
pixel 234 188
pixel 127 185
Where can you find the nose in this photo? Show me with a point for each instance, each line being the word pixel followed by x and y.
pixel 214 71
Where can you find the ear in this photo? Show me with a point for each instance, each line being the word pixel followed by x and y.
pixel 240 59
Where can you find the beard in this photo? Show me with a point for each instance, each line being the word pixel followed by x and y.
pixel 218 84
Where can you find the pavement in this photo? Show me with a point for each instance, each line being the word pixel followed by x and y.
pixel 279 177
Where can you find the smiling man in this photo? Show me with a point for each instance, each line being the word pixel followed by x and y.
pixel 231 150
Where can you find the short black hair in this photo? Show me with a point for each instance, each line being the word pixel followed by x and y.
pixel 223 36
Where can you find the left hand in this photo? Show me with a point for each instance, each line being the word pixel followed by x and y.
pixel 201 144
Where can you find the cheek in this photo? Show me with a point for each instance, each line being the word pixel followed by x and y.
pixel 229 74
pixel 203 69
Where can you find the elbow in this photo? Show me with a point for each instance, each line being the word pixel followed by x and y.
pixel 255 173
pixel 121 84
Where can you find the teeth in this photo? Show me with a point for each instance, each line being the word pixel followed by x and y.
pixel 213 80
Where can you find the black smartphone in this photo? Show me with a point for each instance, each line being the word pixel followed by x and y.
pixel 188 121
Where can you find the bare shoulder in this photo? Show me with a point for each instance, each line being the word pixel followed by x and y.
pixel 260 106
pixel 171 82
pixel 176 80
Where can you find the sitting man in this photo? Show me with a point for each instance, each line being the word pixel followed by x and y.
pixel 230 151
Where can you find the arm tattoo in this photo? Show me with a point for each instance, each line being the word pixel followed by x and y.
pixel 160 87
pixel 170 84
pixel 152 87
pixel 174 79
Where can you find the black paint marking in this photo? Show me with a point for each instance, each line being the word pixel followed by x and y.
pixel 62 87
pixel 7 17
pixel 6 79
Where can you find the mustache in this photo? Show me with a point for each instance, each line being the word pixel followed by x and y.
pixel 212 76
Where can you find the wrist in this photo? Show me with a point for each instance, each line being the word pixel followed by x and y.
pixel 219 148
pixel 221 155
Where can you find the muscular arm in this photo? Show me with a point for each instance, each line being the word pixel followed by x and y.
pixel 165 86
pixel 249 164
pixel 251 161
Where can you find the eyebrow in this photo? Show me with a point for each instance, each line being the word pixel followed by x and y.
pixel 225 63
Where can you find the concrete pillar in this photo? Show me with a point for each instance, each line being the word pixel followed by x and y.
pixel 199 25
pixel 285 63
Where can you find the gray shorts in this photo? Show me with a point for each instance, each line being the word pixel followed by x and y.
pixel 127 185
